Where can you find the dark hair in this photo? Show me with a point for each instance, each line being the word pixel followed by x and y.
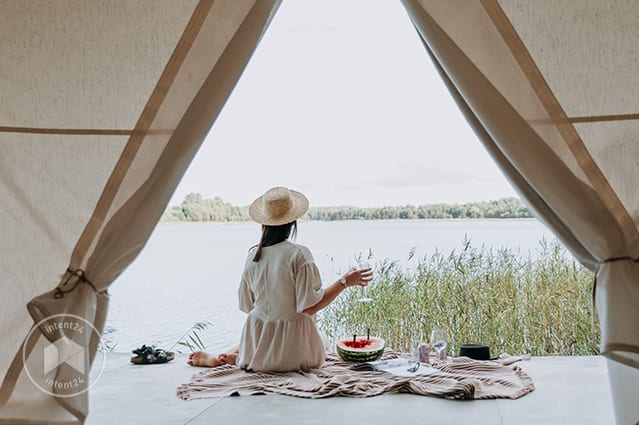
pixel 275 234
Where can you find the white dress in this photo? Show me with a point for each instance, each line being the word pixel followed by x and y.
pixel 277 335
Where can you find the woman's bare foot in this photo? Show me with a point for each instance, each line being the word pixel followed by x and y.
pixel 229 358
pixel 200 358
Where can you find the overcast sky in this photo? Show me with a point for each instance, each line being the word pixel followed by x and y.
pixel 341 102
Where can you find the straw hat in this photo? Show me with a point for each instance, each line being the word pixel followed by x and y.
pixel 277 206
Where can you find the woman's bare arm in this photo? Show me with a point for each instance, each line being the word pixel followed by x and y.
pixel 359 277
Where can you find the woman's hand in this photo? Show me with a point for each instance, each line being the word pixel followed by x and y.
pixel 359 277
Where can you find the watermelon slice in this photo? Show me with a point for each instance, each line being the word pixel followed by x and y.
pixel 360 349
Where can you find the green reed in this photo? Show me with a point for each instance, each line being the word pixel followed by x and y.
pixel 502 298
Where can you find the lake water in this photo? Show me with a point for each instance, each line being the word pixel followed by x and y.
pixel 189 272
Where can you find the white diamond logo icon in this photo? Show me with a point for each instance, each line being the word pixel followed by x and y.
pixel 63 351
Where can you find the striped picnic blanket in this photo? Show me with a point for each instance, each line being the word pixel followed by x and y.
pixel 458 378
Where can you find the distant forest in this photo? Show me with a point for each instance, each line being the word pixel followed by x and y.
pixel 195 208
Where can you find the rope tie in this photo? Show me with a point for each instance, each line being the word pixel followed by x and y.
pixel 67 285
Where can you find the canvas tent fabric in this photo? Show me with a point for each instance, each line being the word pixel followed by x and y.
pixel 550 89
pixel 104 104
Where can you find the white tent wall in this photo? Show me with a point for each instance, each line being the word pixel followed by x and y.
pixel 105 103
pixel 62 77
pixel 104 106
pixel 546 85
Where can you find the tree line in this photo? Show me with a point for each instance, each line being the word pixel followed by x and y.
pixel 196 208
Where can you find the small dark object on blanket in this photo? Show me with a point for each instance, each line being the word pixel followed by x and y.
pixel 148 354
pixel 475 352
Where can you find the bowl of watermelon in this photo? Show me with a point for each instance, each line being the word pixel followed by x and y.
pixel 365 349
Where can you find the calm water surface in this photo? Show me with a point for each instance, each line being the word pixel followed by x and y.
pixel 189 272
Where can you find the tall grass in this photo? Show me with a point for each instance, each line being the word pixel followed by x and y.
pixel 512 302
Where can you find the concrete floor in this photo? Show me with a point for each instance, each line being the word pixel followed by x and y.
pixel 569 390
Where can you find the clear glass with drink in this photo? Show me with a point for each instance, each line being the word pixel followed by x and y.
pixel 424 352
pixel 439 342
pixel 365 263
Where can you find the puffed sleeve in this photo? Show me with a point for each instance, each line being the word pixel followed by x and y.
pixel 308 283
pixel 245 295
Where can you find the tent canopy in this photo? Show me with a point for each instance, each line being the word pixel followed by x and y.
pixel 104 106
pixel 106 103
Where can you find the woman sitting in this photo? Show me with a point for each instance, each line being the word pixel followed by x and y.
pixel 281 291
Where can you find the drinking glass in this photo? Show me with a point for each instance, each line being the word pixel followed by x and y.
pixel 439 341
pixel 414 350
pixel 365 263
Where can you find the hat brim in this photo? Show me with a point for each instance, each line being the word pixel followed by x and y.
pixel 259 214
